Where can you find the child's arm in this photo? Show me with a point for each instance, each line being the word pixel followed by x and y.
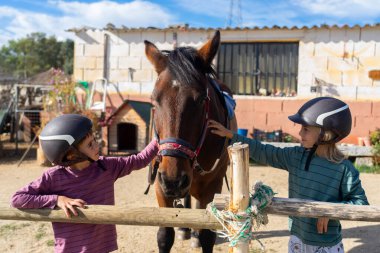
pixel 351 187
pixel 261 153
pixel 125 165
pixel 35 195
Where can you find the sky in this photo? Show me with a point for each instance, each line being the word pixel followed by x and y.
pixel 18 18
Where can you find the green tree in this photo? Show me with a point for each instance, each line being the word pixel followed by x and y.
pixel 36 53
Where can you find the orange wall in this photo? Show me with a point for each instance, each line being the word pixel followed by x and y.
pixel 270 114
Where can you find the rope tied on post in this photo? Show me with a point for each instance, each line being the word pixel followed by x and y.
pixel 239 227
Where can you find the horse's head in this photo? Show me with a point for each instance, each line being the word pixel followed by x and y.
pixel 181 104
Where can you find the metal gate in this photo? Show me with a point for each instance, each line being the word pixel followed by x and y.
pixel 260 68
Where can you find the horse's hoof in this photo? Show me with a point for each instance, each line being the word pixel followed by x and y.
pixel 183 234
pixel 195 243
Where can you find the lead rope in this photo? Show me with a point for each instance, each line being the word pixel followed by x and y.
pixel 237 227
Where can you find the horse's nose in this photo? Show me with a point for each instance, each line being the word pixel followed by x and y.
pixel 174 187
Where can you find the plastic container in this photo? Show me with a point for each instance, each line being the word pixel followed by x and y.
pixel 242 131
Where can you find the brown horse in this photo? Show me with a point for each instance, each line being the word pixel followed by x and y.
pixel 191 159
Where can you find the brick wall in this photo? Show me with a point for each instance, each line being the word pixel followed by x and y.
pixel 270 114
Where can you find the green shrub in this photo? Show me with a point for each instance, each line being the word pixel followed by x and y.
pixel 368 169
pixel 375 141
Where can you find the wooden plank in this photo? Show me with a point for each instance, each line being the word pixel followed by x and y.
pixel 348 150
pixel 313 209
pixel 199 218
pixel 102 214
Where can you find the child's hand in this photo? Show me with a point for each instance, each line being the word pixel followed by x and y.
pixel 67 204
pixel 220 130
pixel 322 225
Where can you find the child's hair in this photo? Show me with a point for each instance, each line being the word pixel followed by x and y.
pixel 331 151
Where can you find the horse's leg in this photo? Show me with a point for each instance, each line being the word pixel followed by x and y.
pixel 165 235
pixel 185 233
pixel 207 240
pixel 207 237
pixel 165 239
pixel 195 233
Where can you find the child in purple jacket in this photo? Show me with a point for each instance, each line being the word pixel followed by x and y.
pixel 80 177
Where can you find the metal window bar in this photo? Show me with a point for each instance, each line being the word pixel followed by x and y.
pixel 269 67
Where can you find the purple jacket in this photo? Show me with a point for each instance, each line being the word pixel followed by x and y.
pixel 95 185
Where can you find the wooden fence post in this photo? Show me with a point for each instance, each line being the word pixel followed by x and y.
pixel 239 154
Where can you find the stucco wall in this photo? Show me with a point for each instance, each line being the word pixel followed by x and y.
pixel 336 60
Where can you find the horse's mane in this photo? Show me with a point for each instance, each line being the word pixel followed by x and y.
pixel 187 66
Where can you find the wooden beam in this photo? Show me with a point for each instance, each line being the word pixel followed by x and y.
pixel 314 209
pixel 102 214
pixel 199 218
pixel 352 150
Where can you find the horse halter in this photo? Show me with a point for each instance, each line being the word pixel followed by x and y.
pixel 177 147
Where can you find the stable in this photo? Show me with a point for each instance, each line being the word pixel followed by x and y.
pixel 128 128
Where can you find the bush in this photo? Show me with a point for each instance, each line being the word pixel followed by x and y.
pixel 375 141
pixel 369 169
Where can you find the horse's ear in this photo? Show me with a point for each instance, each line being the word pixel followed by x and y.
pixel 209 50
pixel 154 55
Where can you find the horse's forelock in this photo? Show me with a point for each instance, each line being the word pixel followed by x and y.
pixel 186 66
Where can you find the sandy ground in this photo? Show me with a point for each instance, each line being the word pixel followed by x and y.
pixel 25 236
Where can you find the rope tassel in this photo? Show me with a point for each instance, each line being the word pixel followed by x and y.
pixel 239 227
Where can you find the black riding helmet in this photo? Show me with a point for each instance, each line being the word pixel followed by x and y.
pixel 328 113
pixel 61 135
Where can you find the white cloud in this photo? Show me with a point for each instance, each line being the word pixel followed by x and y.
pixel 342 9
pixel 211 8
pixel 76 14
pixel 253 13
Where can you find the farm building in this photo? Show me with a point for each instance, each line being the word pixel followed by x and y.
pixel 272 70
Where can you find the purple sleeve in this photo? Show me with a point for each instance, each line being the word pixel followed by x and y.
pixel 35 195
pixel 125 165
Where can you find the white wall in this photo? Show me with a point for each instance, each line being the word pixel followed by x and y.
pixel 336 60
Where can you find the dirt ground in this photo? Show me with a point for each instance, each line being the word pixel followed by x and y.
pixel 25 236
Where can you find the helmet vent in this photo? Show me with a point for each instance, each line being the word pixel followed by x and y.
pixel 64 137
pixel 322 117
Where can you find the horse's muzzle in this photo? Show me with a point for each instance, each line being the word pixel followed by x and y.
pixel 174 187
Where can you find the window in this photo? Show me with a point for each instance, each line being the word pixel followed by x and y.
pixel 268 69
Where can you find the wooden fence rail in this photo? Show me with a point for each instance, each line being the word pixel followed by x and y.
pixel 200 218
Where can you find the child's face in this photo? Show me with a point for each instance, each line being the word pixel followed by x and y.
pixel 309 135
pixel 90 147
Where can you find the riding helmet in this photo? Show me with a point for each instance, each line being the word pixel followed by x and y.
pixel 328 113
pixel 61 135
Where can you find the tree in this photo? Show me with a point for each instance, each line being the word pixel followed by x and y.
pixel 36 53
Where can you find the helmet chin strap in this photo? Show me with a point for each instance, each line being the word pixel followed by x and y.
pixel 78 157
pixel 313 149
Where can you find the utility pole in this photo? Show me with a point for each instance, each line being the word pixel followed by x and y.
pixel 234 16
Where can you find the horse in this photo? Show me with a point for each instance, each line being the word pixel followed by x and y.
pixel 191 160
